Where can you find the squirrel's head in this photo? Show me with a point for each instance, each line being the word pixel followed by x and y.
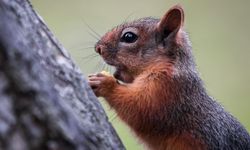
pixel 131 47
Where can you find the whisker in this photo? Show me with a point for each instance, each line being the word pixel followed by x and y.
pixel 98 66
pixel 87 61
pixel 77 45
pixel 88 42
pixel 103 65
pixel 97 35
pixel 94 36
pixel 126 19
pixel 106 67
pixel 90 58
pixel 110 70
pixel 84 48
pixel 90 55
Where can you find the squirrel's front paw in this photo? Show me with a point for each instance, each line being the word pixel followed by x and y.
pixel 102 84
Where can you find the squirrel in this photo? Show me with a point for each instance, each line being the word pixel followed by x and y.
pixel 161 96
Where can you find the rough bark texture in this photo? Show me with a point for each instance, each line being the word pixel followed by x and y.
pixel 45 102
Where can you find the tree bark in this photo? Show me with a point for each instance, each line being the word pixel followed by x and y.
pixel 45 102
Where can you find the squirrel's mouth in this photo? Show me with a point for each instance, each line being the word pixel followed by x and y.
pixel 121 72
pixel 117 74
pixel 123 76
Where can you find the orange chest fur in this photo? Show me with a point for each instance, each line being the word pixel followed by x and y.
pixel 182 142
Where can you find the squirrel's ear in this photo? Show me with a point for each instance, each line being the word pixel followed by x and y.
pixel 173 20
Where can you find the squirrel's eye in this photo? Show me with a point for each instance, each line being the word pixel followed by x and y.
pixel 129 37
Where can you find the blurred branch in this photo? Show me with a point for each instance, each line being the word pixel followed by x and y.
pixel 45 103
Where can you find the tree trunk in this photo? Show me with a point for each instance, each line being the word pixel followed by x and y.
pixel 45 102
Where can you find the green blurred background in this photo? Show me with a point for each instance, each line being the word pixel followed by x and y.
pixel 219 31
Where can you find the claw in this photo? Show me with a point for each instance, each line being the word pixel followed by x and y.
pixel 100 75
pixel 91 75
pixel 94 83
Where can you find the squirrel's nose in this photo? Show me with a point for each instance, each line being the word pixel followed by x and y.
pixel 99 49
